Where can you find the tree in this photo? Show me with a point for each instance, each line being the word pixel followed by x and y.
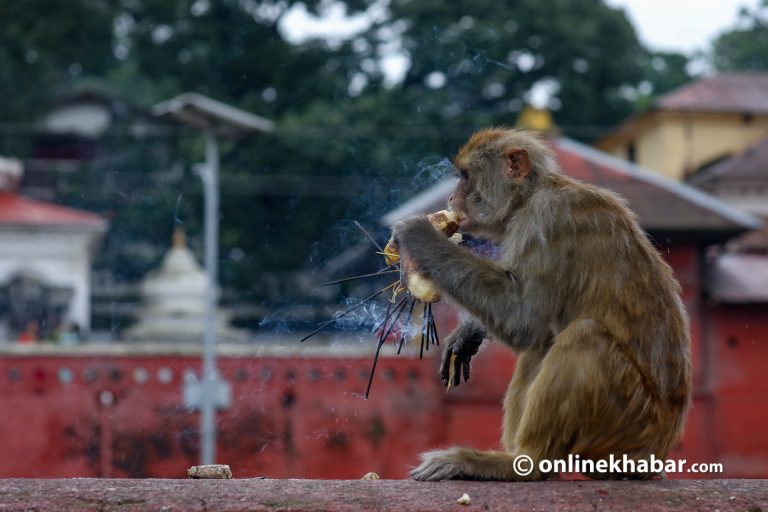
pixel 663 72
pixel 47 46
pixel 477 61
pixel 744 47
pixel 231 50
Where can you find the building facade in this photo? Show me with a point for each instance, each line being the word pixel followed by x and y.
pixel 695 126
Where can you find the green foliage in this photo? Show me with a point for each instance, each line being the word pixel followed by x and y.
pixel 745 47
pixel 493 53
pixel 663 72
pixel 230 50
pixel 46 46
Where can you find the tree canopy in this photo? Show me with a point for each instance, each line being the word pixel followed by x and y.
pixel 744 47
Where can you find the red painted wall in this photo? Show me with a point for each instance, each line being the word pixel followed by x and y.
pixel 123 416
pixel 739 384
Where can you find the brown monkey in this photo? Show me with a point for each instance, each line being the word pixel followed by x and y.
pixel 579 293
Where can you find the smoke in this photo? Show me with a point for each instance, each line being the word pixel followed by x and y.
pixel 430 172
pixel 365 318
pixel 277 321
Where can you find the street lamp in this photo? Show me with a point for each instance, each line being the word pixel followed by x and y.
pixel 215 119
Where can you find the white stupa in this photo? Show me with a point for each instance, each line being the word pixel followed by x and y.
pixel 173 301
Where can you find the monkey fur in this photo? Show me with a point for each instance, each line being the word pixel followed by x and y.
pixel 589 306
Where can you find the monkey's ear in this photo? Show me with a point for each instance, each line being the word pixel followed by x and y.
pixel 517 164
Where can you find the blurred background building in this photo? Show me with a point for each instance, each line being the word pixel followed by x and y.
pixel 45 263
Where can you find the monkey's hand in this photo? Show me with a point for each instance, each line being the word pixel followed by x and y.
pixel 417 238
pixel 460 346
pixel 414 233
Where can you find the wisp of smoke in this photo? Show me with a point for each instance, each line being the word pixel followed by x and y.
pixel 430 172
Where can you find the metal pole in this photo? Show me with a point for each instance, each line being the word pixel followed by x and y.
pixel 210 373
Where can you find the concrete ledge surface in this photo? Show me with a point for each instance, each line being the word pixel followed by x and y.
pixel 84 494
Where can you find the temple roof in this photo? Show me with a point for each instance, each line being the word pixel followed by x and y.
pixel 728 92
pixel 750 165
pixel 16 209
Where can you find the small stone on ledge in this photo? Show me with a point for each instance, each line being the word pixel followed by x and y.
pixel 210 471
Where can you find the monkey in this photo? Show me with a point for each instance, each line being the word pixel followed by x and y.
pixel 581 296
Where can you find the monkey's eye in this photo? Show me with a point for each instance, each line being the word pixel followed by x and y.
pixel 462 174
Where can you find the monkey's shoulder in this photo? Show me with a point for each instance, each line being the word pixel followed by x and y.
pixel 587 195
pixel 575 202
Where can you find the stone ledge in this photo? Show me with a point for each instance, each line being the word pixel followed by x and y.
pixel 84 494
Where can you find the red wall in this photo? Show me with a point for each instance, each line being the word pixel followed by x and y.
pixel 289 418
pixel 739 386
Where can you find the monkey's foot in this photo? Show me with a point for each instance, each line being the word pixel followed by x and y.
pixel 440 465
pixel 465 464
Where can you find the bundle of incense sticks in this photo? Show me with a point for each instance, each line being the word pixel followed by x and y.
pixel 395 310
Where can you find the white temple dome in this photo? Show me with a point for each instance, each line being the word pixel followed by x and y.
pixel 178 286
pixel 174 300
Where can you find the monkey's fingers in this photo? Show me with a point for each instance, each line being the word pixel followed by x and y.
pixel 449 377
pixel 465 365
pixel 456 370
pixel 445 365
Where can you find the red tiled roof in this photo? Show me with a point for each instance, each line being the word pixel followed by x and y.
pixel 730 92
pixel 661 205
pixel 17 209
pixel 740 278
pixel 749 165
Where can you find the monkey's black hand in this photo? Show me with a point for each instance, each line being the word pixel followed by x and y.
pixel 463 342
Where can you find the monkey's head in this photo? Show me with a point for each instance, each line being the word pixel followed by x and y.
pixel 498 170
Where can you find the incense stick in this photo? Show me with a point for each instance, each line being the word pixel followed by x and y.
pixel 368 235
pixel 374 274
pixel 423 328
pixel 407 328
pixel 434 331
pixel 332 320
pixel 398 310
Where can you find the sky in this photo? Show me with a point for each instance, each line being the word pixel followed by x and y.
pixel 681 25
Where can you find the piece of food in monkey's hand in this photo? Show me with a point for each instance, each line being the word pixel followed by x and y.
pixel 420 286
pixel 391 253
pixel 445 221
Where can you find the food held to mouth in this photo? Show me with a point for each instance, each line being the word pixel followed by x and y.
pixel 420 286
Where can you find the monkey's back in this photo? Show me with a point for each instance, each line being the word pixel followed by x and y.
pixel 583 247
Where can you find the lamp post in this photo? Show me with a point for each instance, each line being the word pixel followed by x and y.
pixel 214 119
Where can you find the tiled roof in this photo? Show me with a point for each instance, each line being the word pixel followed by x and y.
pixel 661 205
pixel 730 92
pixel 750 165
pixel 17 209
